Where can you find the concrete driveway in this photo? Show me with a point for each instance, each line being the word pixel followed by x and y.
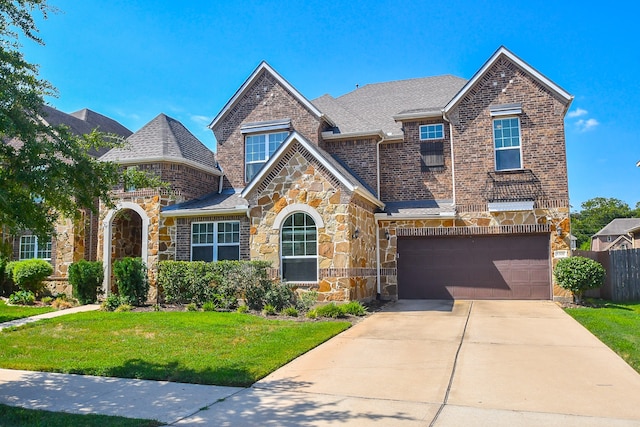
pixel 436 363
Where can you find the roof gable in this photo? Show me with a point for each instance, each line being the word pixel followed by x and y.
pixel 335 168
pixel 164 139
pixel 253 78
pixel 504 52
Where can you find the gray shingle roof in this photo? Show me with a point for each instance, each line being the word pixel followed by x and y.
pixel 102 123
pixel 211 201
pixel 379 102
pixel 163 138
pixel 619 226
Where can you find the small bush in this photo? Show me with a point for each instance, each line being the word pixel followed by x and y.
pixel 208 306
pixel 22 298
pixel 290 311
pixel 156 307
pixel 312 314
pixel 46 300
pixel 123 308
pixel 110 303
pixel 354 308
pixel 29 274
pixel 269 310
pixel 86 279
pixel 61 303
pixel 131 279
pixel 192 307
pixel 306 300
pixel 242 309
pixel 279 295
pixel 331 310
pixel 578 274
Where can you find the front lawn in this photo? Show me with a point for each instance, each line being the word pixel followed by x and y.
pixel 230 349
pixel 14 416
pixel 615 324
pixel 12 312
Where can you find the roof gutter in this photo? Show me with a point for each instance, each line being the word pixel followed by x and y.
pixel 238 210
pixel 386 217
pixel 159 159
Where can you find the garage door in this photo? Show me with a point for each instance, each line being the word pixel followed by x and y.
pixel 474 267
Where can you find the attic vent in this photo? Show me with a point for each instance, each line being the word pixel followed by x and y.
pixel 266 126
pixel 505 109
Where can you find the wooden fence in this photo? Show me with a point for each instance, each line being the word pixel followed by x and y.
pixel 623 274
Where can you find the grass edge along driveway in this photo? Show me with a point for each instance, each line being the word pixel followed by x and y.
pixel 13 312
pixel 229 349
pixel 615 324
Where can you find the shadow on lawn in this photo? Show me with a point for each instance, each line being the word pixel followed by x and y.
pixel 176 372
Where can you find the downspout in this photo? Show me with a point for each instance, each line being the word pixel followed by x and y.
pixel 221 181
pixel 378 278
pixel 453 163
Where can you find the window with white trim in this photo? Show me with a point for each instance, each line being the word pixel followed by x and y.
pixel 506 138
pixel 428 132
pixel 215 241
pixel 299 248
pixel 31 248
pixel 258 149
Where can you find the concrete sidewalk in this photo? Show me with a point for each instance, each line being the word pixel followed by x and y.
pixel 417 363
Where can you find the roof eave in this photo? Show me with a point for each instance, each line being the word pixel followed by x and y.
pixel 204 212
pixel 383 216
pixel 281 80
pixel 168 159
pixel 519 62
pixel 417 115
pixel 328 136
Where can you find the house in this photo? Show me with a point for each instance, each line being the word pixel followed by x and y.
pixel 435 187
pixel 635 237
pixel 615 235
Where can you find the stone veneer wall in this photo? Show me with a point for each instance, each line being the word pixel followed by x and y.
pixel 151 202
pixel 346 265
pixel 539 220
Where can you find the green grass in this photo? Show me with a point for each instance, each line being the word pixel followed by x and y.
pixel 192 347
pixel 14 416
pixel 12 312
pixel 615 324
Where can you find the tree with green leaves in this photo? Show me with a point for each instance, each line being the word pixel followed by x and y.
pixel 45 171
pixel 595 214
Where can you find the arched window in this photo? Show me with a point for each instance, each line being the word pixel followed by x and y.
pixel 299 248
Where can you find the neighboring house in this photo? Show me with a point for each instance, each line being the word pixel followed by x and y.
pixel 73 240
pixel 615 235
pixel 434 187
pixel 635 237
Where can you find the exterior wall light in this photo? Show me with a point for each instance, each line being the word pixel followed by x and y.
pixel 387 235
pixel 356 233
pixel 559 231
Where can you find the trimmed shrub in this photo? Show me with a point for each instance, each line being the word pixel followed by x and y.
pixel 132 280
pixel 86 279
pixel 110 303
pixel 22 298
pixel 208 306
pixel 306 300
pixel 577 274
pixel 290 311
pixel 330 310
pixel 354 308
pixel 29 274
pixel 279 295
pixel 269 310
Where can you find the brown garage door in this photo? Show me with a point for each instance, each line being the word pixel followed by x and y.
pixel 474 267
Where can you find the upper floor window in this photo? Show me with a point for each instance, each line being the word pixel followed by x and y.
pixel 215 241
pixel 506 138
pixel 258 149
pixel 31 248
pixel 432 131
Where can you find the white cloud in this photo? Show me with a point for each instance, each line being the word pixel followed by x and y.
pixel 585 125
pixel 577 113
pixel 201 120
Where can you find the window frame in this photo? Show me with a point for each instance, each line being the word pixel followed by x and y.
pixel 37 251
pixel 215 244
pixel 267 151
pixel 304 257
pixel 431 125
pixel 496 149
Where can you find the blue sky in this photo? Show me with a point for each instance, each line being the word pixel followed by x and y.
pixel 132 60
